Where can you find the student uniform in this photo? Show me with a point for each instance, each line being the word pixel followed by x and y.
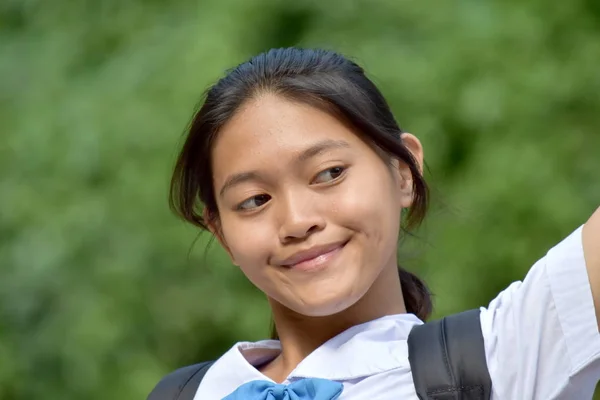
pixel 541 343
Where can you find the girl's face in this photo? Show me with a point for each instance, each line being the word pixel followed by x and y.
pixel 307 210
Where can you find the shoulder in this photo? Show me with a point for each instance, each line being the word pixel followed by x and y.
pixel 541 335
pixel 176 384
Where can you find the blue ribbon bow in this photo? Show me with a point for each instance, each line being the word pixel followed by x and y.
pixel 304 389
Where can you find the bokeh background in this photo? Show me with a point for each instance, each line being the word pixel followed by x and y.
pixel 103 290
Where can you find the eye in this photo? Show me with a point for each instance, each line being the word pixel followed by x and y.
pixel 328 175
pixel 253 202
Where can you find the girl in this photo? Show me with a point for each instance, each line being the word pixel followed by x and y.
pixel 303 175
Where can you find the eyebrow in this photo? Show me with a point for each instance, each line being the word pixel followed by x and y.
pixel 312 151
pixel 320 147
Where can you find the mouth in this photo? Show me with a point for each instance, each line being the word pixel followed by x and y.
pixel 315 258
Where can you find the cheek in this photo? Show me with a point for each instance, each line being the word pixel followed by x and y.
pixel 371 208
pixel 248 244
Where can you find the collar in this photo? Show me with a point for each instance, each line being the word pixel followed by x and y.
pixel 363 350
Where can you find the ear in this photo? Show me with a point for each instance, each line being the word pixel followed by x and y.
pixel 406 179
pixel 415 147
pixel 214 226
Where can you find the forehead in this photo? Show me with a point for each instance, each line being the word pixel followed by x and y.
pixel 270 128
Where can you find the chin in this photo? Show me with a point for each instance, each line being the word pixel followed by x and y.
pixel 319 306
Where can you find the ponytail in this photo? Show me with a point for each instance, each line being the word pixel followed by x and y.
pixel 417 297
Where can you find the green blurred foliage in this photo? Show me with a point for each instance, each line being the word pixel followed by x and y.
pixel 102 290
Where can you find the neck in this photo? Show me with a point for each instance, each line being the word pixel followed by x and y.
pixel 300 335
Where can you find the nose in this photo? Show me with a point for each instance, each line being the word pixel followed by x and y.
pixel 299 218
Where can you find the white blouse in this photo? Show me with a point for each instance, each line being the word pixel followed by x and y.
pixel 541 342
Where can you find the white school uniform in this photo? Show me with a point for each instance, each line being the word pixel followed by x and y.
pixel 541 343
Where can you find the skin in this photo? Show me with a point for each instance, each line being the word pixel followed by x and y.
pixel 591 253
pixel 345 193
pixel 300 196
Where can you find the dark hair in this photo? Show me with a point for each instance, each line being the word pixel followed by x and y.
pixel 324 79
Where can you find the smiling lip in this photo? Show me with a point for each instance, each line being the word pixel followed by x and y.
pixel 313 258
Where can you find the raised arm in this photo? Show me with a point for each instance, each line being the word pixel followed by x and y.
pixel 541 339
pixel 591 252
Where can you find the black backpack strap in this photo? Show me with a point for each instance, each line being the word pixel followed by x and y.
pixel 447 358
pixel 181 384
